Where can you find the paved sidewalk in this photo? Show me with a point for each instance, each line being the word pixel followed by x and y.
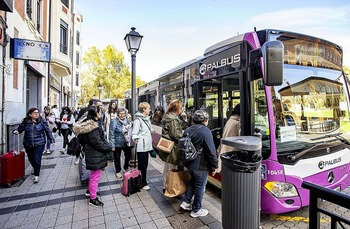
pixel 58 201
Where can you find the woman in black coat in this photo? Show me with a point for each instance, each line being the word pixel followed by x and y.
pixel 36 130
pixel 96 147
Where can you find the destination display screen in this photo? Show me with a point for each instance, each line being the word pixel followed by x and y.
pixel 220 64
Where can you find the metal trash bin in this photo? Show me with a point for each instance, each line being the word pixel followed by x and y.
pixel 240 183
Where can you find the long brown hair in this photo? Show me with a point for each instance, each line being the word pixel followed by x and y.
pixel 174 107
pixel 110 109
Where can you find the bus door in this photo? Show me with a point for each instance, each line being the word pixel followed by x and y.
pixel 208 96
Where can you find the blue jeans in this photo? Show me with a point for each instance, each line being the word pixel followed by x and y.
pixel 196 188
pixel 34 156
pixel 48 144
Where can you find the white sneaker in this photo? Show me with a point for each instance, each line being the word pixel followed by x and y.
pixel 146 187
pixel 63 151
pixel 48 151
pixel 77 159
pixel 186 206
pixel 201 212
pixel 119 175
pixel 35 179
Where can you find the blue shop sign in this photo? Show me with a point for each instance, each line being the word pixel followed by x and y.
pixel 30 50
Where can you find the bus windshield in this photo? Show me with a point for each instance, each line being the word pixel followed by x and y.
pixel 311 104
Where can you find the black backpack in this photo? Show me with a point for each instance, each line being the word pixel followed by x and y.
pixel 187 151
pixel 74 147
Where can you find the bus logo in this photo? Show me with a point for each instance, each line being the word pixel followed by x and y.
pixel 204 68
pixel 330 177
pixel 323 164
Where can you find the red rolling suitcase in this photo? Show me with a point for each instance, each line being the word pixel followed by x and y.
pixel 131 180
pixel 12 166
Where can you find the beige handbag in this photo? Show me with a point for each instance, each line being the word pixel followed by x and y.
pixel 165 145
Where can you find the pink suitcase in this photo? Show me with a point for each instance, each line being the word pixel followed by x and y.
pixel 131 182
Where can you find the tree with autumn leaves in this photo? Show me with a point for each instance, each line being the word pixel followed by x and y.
pixel 108 68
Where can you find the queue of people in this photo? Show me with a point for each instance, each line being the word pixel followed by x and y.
pixel 118 134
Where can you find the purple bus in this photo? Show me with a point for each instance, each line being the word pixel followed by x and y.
pixel 292 92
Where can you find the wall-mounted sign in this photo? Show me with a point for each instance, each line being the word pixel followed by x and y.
pixel 30 50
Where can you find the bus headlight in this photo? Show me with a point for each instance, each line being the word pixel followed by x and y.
pixel 281 189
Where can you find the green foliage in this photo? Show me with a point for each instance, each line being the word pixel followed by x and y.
pixel 108 68
pixel 346 69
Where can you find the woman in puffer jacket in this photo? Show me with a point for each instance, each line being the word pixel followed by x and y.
pixel 96 147
pixel 36 131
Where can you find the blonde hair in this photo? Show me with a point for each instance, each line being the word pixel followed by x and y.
pixel 143 106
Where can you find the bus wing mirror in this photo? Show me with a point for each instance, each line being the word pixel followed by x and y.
pixel 272 52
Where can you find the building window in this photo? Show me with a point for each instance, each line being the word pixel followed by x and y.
pixel 29 8
pixel 65 2
pixel 77 79
pixel 63 37
pixel 38 16
pixel 77 60
pixel 78 38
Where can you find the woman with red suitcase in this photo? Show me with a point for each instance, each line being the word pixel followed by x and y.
pixel 35 130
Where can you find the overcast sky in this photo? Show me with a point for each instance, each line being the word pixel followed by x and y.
pixel 176 31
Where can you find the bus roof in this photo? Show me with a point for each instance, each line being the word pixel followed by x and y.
pixel 180 67
pixel 223 44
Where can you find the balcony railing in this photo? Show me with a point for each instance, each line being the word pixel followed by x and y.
pixel 316 194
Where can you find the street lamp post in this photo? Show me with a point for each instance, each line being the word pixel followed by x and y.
pixel 99 87
pixel 133 41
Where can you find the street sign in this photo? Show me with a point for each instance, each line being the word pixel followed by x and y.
pixel 30 50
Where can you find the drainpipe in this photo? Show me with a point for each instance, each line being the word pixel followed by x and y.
pixel 48 63
pixel 73 54
pixel 3 102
